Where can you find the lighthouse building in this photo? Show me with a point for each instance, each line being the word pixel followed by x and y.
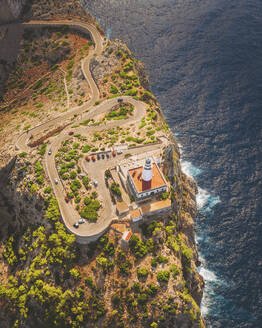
pixel 146 181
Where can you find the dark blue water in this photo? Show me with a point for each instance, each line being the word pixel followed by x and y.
pixel 205 63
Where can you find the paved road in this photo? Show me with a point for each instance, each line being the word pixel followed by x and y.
pixel 22 141
pixel 88 231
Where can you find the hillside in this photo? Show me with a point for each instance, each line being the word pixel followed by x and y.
pixel 67 95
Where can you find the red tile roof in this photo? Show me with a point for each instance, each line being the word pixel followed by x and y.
pixel 156 182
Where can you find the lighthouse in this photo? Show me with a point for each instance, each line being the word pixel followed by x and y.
pixel 147 171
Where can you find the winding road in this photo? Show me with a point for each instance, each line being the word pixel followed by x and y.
pixel 86 232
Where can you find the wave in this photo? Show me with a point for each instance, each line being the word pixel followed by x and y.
pixel 206 201
pixel 108 32
pixel 189 169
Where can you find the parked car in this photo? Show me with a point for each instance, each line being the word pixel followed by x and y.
pixel 56 181
pixel 98 156
pixel 113 153
pixel 49 152
pixel 88 158
pixel 70 133
pixel 76 225
pixel 119 152
pixel 81 221
pixel 67 199
pixel 103 156
pixel 107 155
pixel 95 183
pixel 93 158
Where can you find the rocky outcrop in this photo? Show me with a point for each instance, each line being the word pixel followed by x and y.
pixel 10 10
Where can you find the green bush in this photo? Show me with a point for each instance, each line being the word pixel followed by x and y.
pixel 75 274
pixel 23 154
pixel 116 299
pixel 73 175
pixel 113 89
pixel 132 92
pixel 174 270
pixel 162 259
pixel 142 272
pixel 86 148
pixel 70 65
pixel 106 264
pixel 89 281
pixel 137 247
pixel 85 181
pixel 151 289
pixel 47 190
pixel 142 298
pixel 163 276
pixel 42 149
pixel 165 195
pixel 75 185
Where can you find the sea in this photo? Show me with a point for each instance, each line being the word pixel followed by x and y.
pixel 204 58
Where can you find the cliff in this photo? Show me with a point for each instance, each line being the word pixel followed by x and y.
pixel 10 10
pixel 47 278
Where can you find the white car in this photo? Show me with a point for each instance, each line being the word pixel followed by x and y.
pixel 119 152
pixel 80 221
pixel 95 183
pixel 76 225
pixel 56 181
pixel 49 152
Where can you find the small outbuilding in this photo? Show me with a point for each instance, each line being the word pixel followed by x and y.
pixel 121 208
pixel 126 236
pixel 136 215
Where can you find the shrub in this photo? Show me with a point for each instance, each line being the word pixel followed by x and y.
pixel 75 185
pixel 165 195
pixel 142 272
pixel 113 89
pixel 105 263
pixel 174 270
pixel 115 189
pixel 70 65
pixel 151 290
pixel 162 259
pixel 89 281
pixel 163 276
pixel 75 274
pixel 27 127
pixel 109 249
pixel 47 190
pixel 154 262
pixel 142 298
pixel 116 299
pixel 23 154
pixel 131 92
pixel 42 149
pixel 73 174
pixel 85 181
pixel 86 148
pixel 137 246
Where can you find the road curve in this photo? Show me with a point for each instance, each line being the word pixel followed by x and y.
pixel 87 232
pixel 22 141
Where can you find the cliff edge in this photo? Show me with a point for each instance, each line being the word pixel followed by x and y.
pixel 73 99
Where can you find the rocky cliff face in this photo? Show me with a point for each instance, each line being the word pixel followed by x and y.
pixel 10 10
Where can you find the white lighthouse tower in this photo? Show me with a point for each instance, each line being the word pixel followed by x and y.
pixel 147 171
